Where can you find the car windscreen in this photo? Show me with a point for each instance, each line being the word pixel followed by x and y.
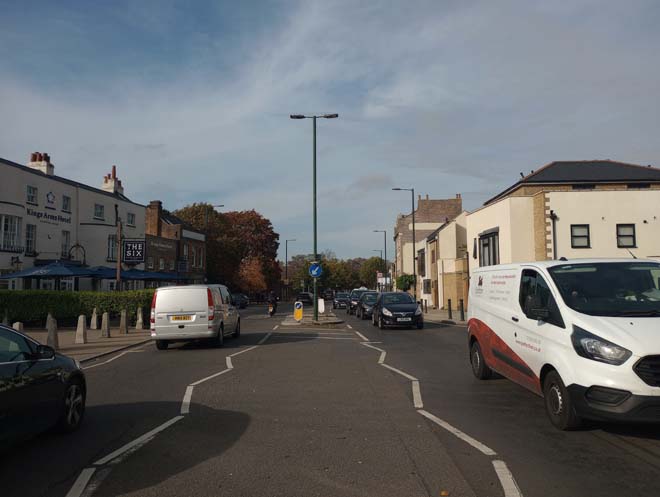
pixel 370 298
pixel 341 296
pixel 355 295
pixel 610 288
pixel 397 298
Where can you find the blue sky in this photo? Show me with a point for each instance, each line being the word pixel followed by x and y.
pixel 191 99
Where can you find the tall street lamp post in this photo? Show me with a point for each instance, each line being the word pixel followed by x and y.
pixel 412 197
pixel 286 263
pixel 387 271
pixel 314 118
pixel 208 210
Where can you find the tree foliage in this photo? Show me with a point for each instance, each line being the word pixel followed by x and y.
pixel 405 282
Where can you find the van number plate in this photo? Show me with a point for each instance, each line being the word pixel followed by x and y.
pixel 404 320
pixel 181 318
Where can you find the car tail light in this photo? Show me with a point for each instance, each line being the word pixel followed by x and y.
pixel 153 309
pixel 211 312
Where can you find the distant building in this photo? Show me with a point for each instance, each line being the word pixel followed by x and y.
pixel 572 209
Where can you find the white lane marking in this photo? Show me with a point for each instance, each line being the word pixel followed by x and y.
pixel 81 482
pixel 265 338
pixel 108 361
pixel 398 371
pixel 138 441
pixel 185 405
pixel 509 484
pixel 417 395
pixel 243 351
pixel 210 377
pixel 484 449
pixel 361 336
pixel 349 326
pixel 229 364
pixel 313 336
pixel 381 359
pixel 276 326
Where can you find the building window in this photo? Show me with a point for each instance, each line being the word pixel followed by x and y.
pixel 625 236
pixel 201 257
pixel 66 203
pixel 99 211
pixel 489 248
pixel 161 263
pixel 421 262
pixel 112 248
pixel 192 253
pixel 185 251
pixel 150 262
pixel 584 186
pixel 10 233
pixel 32 195
pixel 580 237
pixel 130 219
pixel 66 244
pixel 30 239
pixel 172 265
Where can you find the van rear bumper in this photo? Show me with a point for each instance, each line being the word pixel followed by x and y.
pixel 632 408
pixel 192 335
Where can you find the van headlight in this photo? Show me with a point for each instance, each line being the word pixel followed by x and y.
pixel 387 312
pixel 598 349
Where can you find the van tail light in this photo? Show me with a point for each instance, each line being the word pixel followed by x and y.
pixel 153 309
pixel 211 312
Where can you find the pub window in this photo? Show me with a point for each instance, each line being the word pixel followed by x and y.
pixel 161 263
pixel 30 239
pixel 172 266
pixel 625 236
pixel 489 249
pixel 66 243
pixel 32 195
pixel 10 233
pixel 150 262
pixel 580 236
pixel 112 247
pixel 99 211
pixel 66 203
pixel 130 219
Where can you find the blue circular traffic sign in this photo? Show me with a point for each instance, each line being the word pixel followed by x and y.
pixel 315 270
pixel 298 305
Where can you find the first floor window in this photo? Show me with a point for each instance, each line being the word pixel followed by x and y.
pixel 30 239
pixel 10 233
pixel 66 243
pixel 66 203
pixel 489 249
pixel 130 219
pixel 112 247
pixel 192 262
pixel 172 265
pixel 580 236
pixel 150 262
pixel 625 236
pixel 99 211
pixel 421 262
pixel 32 195
pixel 185 251
pixel 161 263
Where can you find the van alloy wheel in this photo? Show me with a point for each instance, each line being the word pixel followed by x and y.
pixel 479 367
pixel 558 403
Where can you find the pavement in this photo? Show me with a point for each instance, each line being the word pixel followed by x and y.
pixel 442 316
pixel 310 411
pixel 96 345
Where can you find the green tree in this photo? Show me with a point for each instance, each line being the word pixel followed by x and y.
pixel 405 282
pixel 368 270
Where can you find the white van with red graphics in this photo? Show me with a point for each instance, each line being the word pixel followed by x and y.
pixel 584 334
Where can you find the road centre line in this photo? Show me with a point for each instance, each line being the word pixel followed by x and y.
pixel 312 336
pixel 194 384
pixel 185 405
pixel 229 364
pixel 138 441
pixel 263 340
pixel 361 336
pixel 509 484
pixel 81 482
pixel 398 371
pixel 484 449
pixel 381 359
pixel 417 395
pixel 243 351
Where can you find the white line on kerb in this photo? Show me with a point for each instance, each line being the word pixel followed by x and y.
pixel 398 371
pixel 361 336
pixel 81 482
pixel 185 405
pixel 229 364
pixel 209 377
pixel 349 326
pixel 275 327
pixel 417 395
pixel 265 338
pixel 484 449
pixel 108 361
pixel 506 479
pixel 144 438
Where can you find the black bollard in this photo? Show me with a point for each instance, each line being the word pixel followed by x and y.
pixel 461 310
pixel 449 308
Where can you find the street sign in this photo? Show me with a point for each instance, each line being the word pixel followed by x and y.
pixel 298 311
pixel 315 270
pixel 133 251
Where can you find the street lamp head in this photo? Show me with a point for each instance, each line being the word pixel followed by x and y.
pixel 297 116
pixel 396 189
pixel 330 116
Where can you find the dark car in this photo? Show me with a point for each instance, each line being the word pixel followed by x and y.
pixel 39 388
pixel 353 299
pixel 365 305
pixel 397 309
pixel 328 294
pixel 240 300
pixel 340 301
pixel 305 298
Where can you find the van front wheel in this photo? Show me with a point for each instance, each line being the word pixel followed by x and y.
pixel 558 403
pixel 479 367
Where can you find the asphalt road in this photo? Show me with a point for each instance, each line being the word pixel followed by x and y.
pixel 311 412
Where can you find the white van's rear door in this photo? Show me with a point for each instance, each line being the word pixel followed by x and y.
pixel 181 310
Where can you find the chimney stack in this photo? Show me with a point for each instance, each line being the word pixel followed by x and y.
pixel 111 183
pixel 458 195
pixel 41 162
pixel 153 219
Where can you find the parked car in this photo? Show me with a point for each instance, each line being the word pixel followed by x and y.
pixel 353 299
pixel 193 312
pixel 240 300
pixel 582 334
pixel 365 305
pixel 39 388
pixel 305 298
pixel 340 301
pixel 328 294
pixel 397 309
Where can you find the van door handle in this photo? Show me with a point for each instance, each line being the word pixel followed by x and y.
pixel 514 319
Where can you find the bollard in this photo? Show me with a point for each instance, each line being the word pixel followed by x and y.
pixel 52 340
pixel 105 325
pixel 461 310
pixel 5 319
pixel 48 320
pixel 449 308
pixel 426 306
pixel 94 322
pixel 18 326
pixel 139 324
pixel 81 330
pixel 123 325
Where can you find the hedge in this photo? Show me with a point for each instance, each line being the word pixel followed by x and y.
pixel 34 305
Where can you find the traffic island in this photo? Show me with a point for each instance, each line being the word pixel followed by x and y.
pixel 324 320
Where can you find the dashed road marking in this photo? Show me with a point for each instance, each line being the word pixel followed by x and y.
pixel 210 377
pixel 275 327
pixel 243 351
pixel 398 371
pixel 81 482
pixel 228 361
pixel 361 336
pixel 417 395
pixel 263 340
pixel 307 337
pixel 349 326
pixel 484 449
pixel 185 405
pixel 509 484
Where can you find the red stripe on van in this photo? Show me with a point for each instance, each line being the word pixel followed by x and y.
pixel 500 357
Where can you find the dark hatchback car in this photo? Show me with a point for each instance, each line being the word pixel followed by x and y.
pixel 240 300
pixel 340 301
pixel 397 309
pixel 39 388
pixel 305 298
pixel 353 299
pixel 365 306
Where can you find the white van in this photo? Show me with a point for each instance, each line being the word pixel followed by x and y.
pixel 584 334
pixel 182 313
